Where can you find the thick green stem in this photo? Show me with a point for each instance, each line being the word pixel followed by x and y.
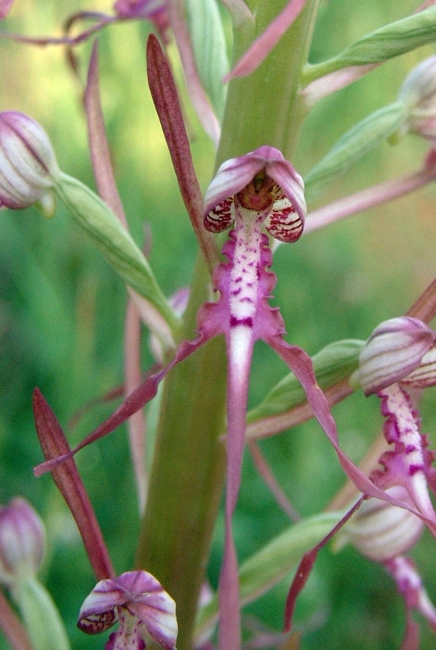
pixel 264 108
pixel 188 471
pixel 188 474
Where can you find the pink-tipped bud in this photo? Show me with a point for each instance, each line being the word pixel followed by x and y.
pixel 22 541
pixel 27 163
pixel 393 351
pixel 418 92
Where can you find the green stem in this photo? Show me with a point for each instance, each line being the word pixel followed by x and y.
pixel 187 476
pixel 264 108
pixel 41 618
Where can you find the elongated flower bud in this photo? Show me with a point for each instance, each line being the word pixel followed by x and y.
pixel 393 351
pixel 381 531
pixel 22 541
pixel 28 164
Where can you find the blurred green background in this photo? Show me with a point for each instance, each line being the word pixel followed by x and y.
pixel 62 312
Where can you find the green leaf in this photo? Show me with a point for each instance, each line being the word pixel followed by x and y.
pixel 272 563
pixel 210 49
pixel 336 361
pixel 118 247
pixel 385 43
pixel 354 144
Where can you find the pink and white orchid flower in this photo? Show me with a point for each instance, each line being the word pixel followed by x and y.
pixel 141 606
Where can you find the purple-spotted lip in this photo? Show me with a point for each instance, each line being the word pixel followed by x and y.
pixel 237 173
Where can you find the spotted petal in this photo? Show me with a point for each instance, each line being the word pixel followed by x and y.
pixel 236 174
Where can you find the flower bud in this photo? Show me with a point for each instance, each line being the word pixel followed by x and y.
pixel 381 531
pixel 418 92
pixel 425 375
pixel 22 541
pixel 394 349
pixel 28 164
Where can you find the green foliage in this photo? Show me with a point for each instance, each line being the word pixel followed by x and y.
pixel 383 44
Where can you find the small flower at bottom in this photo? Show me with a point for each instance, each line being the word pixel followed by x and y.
pixel 141 606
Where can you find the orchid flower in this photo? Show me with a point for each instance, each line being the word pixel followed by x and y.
pixel 249 192
pixel 141 606
pixel 404 347
pixel 399 355
pixel 260 188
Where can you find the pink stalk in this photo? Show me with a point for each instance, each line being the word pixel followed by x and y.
pixel 133 378
pixel 98 144
pixel 105 180
pixel 12 627
pixel 164 93
pixel 369 198
pixel 67 478
pixel 270 480
pixel 103 21
pixel 263 45
pixel 196 91
pixel 305 567
pixel 334 81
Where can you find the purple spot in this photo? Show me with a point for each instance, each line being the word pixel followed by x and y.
pixel 410 449
pixel 236 292
pixel 246 322
pixel 413 469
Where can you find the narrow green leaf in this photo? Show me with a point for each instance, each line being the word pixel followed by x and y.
pixel 272 563
pixel 354 144
pixel 333 363
pixel 210 50
pixel 385 43
pixel 106 231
